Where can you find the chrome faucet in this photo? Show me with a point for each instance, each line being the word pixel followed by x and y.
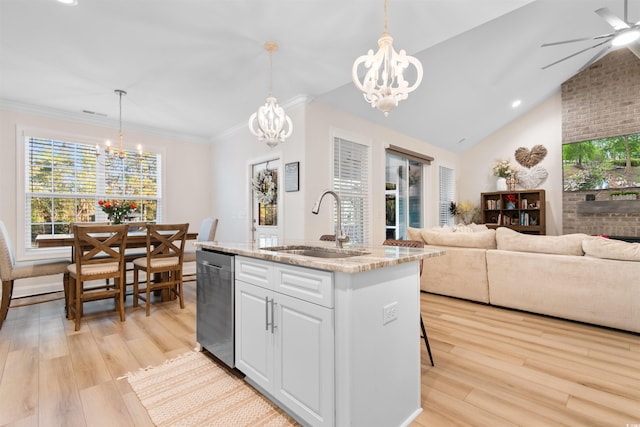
pixel 340 238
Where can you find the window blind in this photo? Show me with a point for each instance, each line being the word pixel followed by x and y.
pixel 445 195
pixel 351 182
pixel 64 181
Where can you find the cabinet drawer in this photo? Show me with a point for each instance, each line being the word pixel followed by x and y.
pixel 315 286
pixel 255 271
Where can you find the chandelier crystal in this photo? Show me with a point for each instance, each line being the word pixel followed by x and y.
pixel 119 153
pixel 384 85
pixel 270 123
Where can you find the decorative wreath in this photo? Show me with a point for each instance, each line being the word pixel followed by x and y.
pixel 265 186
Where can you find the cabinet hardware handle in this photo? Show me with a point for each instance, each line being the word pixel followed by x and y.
pixel 273 309
pixel 266 313
pixel 208 264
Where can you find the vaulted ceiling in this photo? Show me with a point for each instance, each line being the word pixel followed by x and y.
pixel 197 68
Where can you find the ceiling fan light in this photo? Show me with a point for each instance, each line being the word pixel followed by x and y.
pixel 626 37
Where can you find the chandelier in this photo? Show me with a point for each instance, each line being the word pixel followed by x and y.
pixel 118 154
pixel 270 123
pixel 384 85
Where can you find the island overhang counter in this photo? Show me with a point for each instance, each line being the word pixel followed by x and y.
pixel 333 341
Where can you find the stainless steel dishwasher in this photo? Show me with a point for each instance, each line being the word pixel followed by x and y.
pixel 214 304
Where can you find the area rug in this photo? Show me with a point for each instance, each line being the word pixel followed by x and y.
pixel 192 390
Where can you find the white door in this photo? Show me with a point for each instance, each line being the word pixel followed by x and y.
pixel 254 337
pixel 266 207
pixel 304 359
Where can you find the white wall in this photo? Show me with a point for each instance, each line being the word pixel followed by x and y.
pixel 542 125
pixel 322 121
pixel 310 144
pixel 186 171
pixel 232 157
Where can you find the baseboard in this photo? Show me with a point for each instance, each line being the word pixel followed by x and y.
pixel 31 290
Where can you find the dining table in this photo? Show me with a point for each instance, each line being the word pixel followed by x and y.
pixel 135 239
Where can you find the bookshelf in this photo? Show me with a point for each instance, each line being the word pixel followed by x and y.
pixel 523 211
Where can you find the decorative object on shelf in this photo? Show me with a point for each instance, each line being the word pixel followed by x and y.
pixel 117 210
pixel 501 184
pixel 502 169
pixel 511 199
pixel 465 211
pixel 529 158
pixel 270 123
pixel 384 85
pixel 119 154
pixel 265 186
pixel 511 182
pixel 533 177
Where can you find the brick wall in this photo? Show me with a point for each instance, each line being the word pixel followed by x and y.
pixel 601 101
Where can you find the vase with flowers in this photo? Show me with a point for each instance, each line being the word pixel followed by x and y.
pixel 502 169
pixel 117 210
pixel 511 201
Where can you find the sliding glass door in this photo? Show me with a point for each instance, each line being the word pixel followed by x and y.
pixel 404 195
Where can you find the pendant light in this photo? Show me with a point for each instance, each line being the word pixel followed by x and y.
pixel 270 123
pixel 384 85
pixel 118 153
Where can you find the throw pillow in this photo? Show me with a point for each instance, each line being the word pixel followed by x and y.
pixel 414 234
pixel 567 244
pixel 600 247
pixel 480 239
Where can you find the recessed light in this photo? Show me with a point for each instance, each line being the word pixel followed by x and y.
pixel 69 2
pixel 516 103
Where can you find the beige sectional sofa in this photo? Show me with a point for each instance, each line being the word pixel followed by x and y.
pixel 578 277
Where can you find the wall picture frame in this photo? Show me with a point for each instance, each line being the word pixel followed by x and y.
pixel 292 176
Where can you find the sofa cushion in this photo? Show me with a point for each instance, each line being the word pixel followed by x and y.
pixel 601 247
pixel 479 239
pixel 414 234
pixel 567 244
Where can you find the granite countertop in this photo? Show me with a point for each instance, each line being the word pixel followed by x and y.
pixel 376 256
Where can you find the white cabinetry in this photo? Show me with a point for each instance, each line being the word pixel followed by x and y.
pixel 285 335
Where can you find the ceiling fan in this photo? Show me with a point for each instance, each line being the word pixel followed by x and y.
pixel 624 33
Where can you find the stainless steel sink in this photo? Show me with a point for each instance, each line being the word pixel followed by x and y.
pixel 317 251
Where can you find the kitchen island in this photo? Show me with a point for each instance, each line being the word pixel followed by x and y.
pixel 333 341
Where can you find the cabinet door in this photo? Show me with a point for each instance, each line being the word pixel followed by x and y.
pixel 254 339
pixel 304 357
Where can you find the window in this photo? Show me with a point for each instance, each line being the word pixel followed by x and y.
pixel 64 181
pixel 351 182
pixel 403 193
pixel 446 195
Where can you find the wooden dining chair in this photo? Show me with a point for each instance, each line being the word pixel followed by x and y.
pixel 163 263
pixel 98 254
pixel 207 233
pixel 10 270
pixel 414 244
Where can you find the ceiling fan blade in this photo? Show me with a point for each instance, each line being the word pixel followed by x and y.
pixel 574 54
pixel 578 40
pixel 566 41
pixel 594 58
pixel 613 20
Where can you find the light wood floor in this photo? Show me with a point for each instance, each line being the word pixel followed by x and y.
pixel 494 367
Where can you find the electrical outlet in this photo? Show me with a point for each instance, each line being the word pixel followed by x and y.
pixel 389 312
